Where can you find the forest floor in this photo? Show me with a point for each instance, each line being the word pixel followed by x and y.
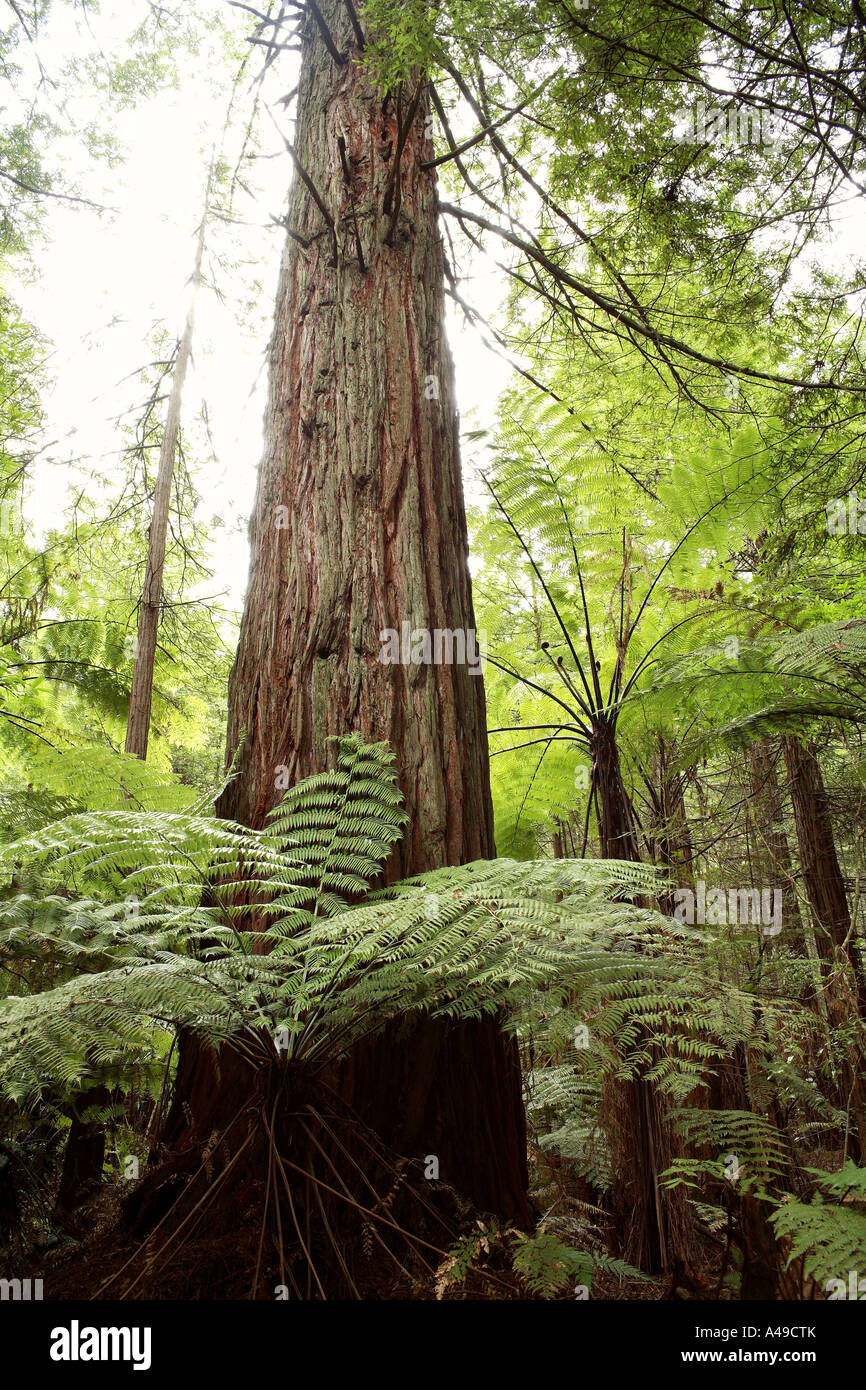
pixel 97 1256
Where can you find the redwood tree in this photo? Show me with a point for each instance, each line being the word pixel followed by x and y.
pixel 819 865
pixel 841 967
pixel 358 528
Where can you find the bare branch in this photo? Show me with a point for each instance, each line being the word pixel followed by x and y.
pixel 482 134
pixel 356 23
pixel 616 312
pixel 50 193
pixel 335 53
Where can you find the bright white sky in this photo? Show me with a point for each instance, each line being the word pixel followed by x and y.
pixel 106 281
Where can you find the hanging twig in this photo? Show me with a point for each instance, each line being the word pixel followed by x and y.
pixel 265 1211
pixel 311 1268
pixel 347 175
pixel 394 190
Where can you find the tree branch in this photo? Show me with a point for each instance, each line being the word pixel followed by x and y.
pixel 488 129
pixel 338 57
pixel 609 306
pixel 356 23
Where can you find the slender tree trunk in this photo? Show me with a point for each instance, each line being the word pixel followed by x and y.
pixel 673 839
pixel 358 529
pixel 84 1155
pixel 141 690
pixel 766 808
pixel 654 1221
pixel 763 1272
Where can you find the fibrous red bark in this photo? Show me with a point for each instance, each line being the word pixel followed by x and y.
pixel 358 528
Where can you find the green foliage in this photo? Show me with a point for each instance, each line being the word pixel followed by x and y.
pixel 166 940
pixel 401 42
pixel 829 1234
pixel 753 1142
pixel 549 1266
pixel 657 536
pixel 546 1265
pixel 563 1108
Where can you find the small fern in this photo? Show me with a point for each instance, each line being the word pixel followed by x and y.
pixel 830 1235
pixel 548 1266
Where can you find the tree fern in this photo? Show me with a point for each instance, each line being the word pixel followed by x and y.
pixel 458 942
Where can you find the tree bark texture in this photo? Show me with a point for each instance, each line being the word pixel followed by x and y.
pixel 819 864
pixel 359 527
pixel 840 961
pixel 767 809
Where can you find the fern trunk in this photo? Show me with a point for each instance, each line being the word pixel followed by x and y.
pixel 83 1156
pixel 672 833
pixel 763 1274
pixel 654 1222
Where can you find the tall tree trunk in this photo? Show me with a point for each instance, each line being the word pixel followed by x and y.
pixel 766 805
pixel 673 840
pixel 556 840
pixel 358 529
pixel 763 1274
pixel 84 1155
pixel 141 690
pixel 819 864
pixel 841 965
